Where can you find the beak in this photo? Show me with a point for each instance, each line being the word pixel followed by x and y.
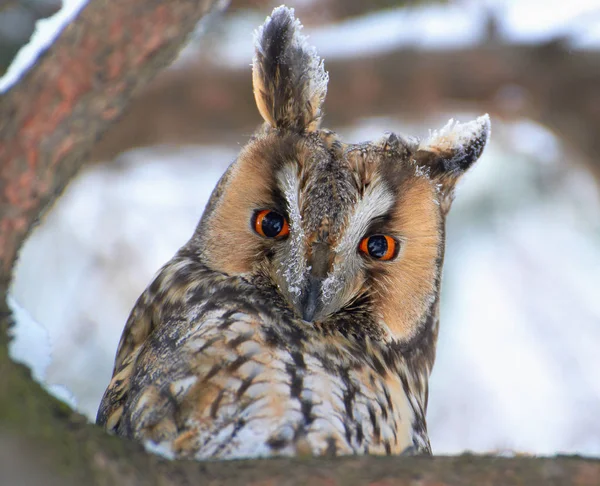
pixel 320 262
pixel 310 298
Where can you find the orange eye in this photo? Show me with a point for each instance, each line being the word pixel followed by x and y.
pixel 270 224
pixel 380 247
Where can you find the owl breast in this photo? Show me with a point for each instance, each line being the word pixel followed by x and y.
pixel 257 382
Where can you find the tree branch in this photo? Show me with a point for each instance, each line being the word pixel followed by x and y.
pixel 51 119
pixel 315 12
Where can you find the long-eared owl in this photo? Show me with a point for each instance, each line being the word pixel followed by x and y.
pixel 301 317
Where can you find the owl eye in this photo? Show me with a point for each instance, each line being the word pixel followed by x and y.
pixel 380 247
pixel 270 224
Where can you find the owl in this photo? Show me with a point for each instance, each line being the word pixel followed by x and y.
pixel 301 318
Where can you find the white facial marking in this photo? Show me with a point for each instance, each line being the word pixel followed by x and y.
pixel 376 201
pixel 290 185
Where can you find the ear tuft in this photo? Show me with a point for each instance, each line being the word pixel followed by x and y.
pixel 290 82
pixel 456 146
pixel 448 153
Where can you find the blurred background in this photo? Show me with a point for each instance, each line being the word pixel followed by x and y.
pixel 518 367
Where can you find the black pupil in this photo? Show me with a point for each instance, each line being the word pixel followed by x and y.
pixel 377 246
pixel 272 224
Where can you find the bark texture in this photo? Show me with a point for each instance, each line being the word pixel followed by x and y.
pixel 52 118
pixel 48 124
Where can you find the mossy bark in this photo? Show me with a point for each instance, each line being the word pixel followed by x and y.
pixel 48 123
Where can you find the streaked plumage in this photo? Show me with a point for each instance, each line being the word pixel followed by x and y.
pixel 316 335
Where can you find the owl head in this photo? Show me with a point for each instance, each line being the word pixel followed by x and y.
pixel 350 237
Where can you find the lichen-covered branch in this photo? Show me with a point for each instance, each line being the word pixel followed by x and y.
pixel 48 123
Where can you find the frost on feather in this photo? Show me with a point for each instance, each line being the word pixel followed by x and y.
pixel 454 148
pixel 290 82
pixel 448 153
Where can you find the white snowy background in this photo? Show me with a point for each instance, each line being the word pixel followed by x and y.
pixel 518 367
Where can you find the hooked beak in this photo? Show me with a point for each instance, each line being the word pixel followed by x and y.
pixel 320 263
pixel 310 298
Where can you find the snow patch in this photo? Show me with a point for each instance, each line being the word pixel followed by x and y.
pixel 30 342
pixel 47 30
